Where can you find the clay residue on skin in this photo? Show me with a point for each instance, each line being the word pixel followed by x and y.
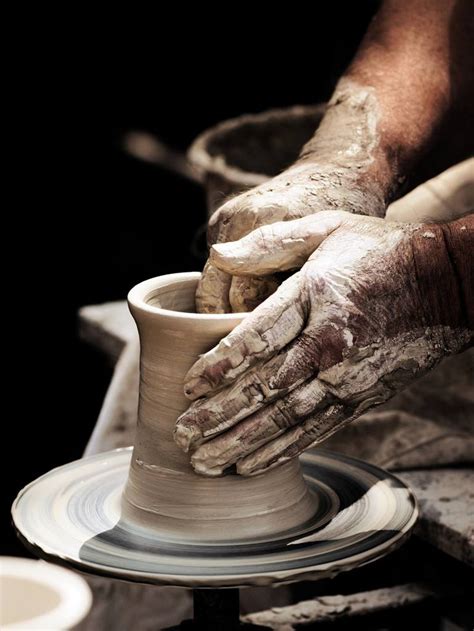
pixel 372 374
pixel 378 366
pixel 347 145
pixel 347 135
pixel 277 324
pixel 275 246
pixel 383 304
pixel 339 169
pixel 213 289
pixel 213 457
pixel 247 293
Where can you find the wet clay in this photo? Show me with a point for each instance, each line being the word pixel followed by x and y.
pixel 163 491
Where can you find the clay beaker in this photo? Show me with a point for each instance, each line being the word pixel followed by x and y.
pixel 163 492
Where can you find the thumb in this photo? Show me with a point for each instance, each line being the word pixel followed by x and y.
pixel 275 247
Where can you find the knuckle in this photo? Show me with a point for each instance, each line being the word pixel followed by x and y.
pixel 261 237
pixel 281 415
pixel 219 216
pixel 256 389
pixel 230 219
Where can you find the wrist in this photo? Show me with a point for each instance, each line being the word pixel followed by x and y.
pixel 349 148
pixel 329 188
pixel 444 273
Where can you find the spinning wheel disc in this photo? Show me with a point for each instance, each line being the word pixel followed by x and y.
pixel 71 515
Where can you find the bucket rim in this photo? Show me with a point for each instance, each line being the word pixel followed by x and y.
pixel 205 163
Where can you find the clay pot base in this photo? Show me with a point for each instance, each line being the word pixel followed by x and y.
pixel 72 515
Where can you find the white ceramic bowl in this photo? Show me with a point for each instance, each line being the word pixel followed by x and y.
pixel 37 595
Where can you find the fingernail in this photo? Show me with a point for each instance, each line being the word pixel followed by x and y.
pixel 196 387
pixel 185 436
pixel 244 469
pixel 201 467
pixel 249 469
pixel 222 249
pixel 222 253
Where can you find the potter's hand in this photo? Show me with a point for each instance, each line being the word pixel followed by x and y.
pixel 376 305
pixel 304 189
pixel 336 170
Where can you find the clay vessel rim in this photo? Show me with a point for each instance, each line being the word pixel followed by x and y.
pixel 139 295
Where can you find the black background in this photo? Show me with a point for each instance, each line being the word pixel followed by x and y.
pixel 98 221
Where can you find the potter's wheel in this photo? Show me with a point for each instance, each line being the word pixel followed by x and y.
pixel 72 515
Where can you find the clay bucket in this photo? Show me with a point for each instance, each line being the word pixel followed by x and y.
pixel 243 152
pixel 162 491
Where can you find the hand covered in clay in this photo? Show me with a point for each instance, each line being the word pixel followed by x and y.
pixel 336 170
pixel 302 190
pixel 375 305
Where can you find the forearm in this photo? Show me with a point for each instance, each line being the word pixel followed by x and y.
pixel 409 85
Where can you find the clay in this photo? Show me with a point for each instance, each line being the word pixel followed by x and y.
pixel 163 491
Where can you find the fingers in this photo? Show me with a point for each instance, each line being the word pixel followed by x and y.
pixel 247 293
pixel 212 294
pixel 297 439
pixel 273 325
pixel 284 250
pixel 213 291
pixel 218 292
pixel 276 247
pixel 208 417
pixel 214 456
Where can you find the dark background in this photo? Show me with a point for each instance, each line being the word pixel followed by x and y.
pixel 100 221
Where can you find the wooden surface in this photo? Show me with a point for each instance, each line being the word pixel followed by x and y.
pixel 341 607
pixel 446 499
pixel 108 327
pixel 446 496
